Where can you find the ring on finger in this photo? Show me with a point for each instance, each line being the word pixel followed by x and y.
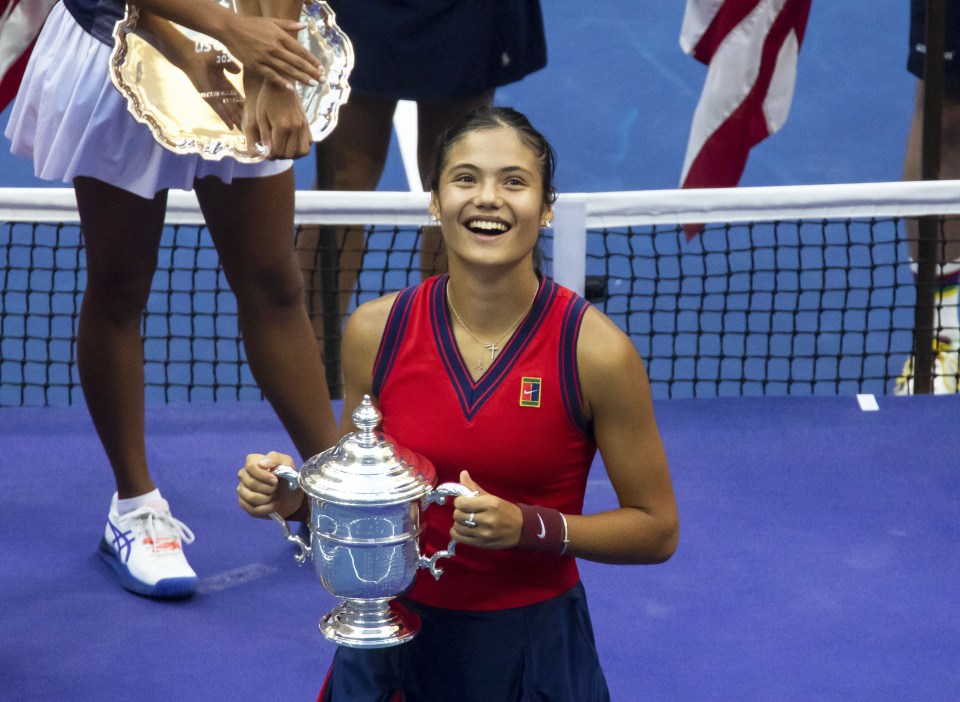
pixel 469 520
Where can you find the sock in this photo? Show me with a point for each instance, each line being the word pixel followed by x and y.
pixel 132 503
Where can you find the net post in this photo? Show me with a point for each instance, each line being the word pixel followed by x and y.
pixel 570 243
pixel 928 230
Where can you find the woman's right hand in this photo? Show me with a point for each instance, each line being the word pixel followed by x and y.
pixel 268 47
pixel 261 492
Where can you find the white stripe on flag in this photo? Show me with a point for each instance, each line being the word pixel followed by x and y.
pixel 19 26
pixel 751 47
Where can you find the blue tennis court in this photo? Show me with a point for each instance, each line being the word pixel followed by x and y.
pixel 819 543
pixel 818 559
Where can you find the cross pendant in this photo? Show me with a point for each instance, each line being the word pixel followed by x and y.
pixel 492 348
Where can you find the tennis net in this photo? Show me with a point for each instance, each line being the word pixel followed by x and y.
pixel 788 290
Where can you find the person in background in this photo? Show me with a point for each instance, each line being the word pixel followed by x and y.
pixel 946 344
pixel 508 383
pixel 448 57
pixel 75 125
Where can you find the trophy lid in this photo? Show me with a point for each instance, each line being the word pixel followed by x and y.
pixel 366 467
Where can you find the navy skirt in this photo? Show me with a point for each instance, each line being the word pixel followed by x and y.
pixel 441 50
pixel 543 652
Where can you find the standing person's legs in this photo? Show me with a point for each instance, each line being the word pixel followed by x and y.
pixel 142 540
pixel 946 368
pixel 433 119
pixel 121 236
pixel 351 158
pixel 251 224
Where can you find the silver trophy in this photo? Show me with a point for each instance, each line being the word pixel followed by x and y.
pixel 188 89
pixel 366 496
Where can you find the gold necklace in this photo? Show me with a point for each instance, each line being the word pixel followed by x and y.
pixel 493 348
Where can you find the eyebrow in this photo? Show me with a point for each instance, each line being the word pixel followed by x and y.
pixel 505 169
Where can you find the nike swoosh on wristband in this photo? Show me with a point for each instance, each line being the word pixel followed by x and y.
pixel 543 528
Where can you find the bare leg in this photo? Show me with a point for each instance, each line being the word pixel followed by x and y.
pixel 251 224
pixel 432 120
pixel 358 150
pixel 121 236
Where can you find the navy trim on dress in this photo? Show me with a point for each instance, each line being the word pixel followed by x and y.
pixel 472 395
pixel 570 389
pixel 392 335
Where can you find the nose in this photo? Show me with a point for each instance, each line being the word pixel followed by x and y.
pixel 488 194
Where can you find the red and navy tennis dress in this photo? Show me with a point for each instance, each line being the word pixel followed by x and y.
pixel 498 625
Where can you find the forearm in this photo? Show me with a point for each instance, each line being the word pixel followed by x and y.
pixel 281 9
pixel 627 535
pixel 163 36
pixel 206 16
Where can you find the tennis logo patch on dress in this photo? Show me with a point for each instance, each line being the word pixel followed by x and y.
pixel 530 392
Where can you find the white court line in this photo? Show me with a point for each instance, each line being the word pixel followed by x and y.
pixel 868 403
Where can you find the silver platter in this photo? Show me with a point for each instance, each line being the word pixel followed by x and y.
pixel 201 116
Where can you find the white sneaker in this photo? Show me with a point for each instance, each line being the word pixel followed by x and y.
pixel 145 549
pixel 946 370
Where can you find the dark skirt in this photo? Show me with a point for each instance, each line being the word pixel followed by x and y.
pixel 441 50
pixel 544 652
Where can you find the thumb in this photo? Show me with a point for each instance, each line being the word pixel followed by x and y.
pixel 466 480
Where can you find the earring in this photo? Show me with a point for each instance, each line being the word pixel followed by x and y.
pixel 546 224
pixel 434 219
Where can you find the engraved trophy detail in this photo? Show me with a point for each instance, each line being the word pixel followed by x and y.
pixel 188 89
pixel 366 495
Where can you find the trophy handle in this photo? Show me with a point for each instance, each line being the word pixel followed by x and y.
pixel 440 495
pixel 293 482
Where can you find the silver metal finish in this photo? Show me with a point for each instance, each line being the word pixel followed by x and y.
pixel 366 497
pixel 188 89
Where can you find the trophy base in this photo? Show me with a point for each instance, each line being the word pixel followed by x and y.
pixel 375 623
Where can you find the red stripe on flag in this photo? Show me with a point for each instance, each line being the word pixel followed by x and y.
pixel 10 82
pixel 727 18
pixel 722 157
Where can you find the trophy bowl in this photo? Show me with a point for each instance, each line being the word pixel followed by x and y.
pixel 188 89
pixel 366 495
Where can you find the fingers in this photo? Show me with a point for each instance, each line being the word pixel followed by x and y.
pixel 257 485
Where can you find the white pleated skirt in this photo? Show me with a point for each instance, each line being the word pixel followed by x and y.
pixel 71 120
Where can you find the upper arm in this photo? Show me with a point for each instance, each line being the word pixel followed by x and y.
pixel 617 398
pixel 358 353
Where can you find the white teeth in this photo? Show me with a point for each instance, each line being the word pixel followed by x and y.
pixel 488 226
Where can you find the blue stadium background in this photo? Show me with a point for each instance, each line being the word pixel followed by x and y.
pixel 618 94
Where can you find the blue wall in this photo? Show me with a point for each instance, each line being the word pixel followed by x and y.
pixel 618 95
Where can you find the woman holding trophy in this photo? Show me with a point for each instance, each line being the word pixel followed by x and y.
pixel 75 125
pixel 507 383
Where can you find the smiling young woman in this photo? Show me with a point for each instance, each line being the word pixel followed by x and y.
pixel 554 381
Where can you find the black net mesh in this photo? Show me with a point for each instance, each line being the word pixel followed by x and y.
pixel 798 307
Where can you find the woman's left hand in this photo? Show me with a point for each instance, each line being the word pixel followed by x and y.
pixel 497 523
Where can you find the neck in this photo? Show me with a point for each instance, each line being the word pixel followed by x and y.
pixel 489 306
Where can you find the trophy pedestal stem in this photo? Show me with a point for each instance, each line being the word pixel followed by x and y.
pixel 374 623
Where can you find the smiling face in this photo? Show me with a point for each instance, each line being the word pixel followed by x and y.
pixel 489 198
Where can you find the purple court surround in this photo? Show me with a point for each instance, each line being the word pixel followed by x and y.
pixel 818 558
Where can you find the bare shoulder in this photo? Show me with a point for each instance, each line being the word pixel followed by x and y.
pixel 608 363
pixel 361 342
pixel 602 346
pixel 369 319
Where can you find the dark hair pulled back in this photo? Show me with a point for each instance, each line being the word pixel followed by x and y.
pixel 494 118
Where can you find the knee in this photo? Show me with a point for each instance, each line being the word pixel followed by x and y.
pixel 275 288
pixel 119 294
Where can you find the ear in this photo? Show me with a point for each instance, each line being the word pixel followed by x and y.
pixel 434 206
pixel 546 216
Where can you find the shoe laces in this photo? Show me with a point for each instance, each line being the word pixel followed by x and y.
pixel 157 523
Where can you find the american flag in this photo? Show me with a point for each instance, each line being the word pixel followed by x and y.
pixel 20 23
pixel 751 48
